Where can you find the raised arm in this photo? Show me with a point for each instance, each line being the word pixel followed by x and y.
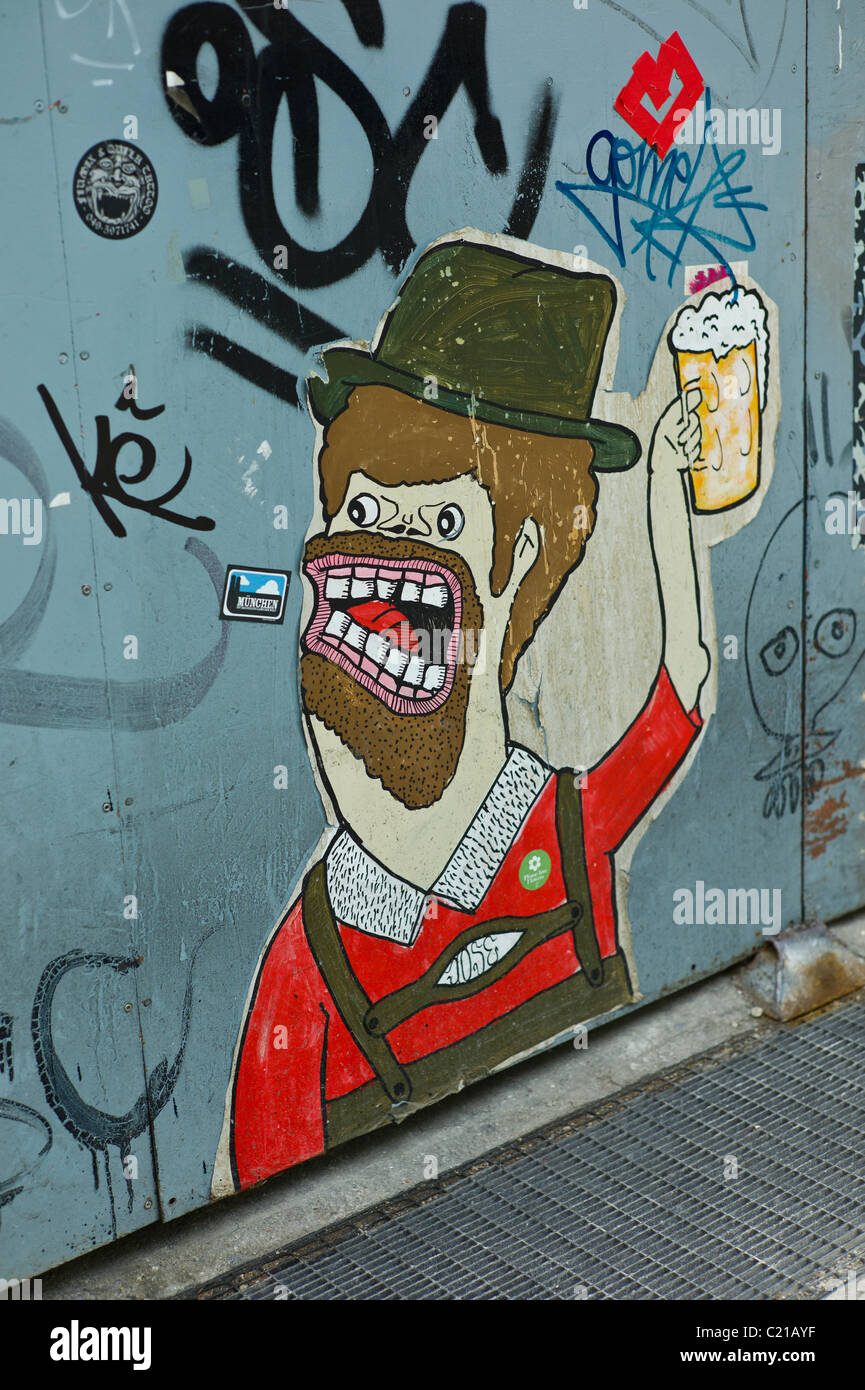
pixel 675 446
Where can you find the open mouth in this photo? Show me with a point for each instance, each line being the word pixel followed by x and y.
pixel 393 625
pixel 113 207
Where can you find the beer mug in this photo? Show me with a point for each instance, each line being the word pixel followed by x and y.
pixel 721 345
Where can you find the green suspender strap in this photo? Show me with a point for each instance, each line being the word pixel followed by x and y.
pixel 326 944
pixel 569 830
pixel 369 1024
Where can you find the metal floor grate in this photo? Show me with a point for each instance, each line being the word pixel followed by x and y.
pixel 636 1205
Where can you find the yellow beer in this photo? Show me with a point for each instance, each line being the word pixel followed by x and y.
pixel 728 469
pixel 721 346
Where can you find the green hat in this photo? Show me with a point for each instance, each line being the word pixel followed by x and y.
pixel 509 340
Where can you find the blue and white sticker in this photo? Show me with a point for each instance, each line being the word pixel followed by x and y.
pixel 254 596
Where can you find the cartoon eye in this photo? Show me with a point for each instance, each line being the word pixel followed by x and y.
pixel 835 632
pixel 363 510
pixel 779 651
pixel 106 163
pixel 128 167
pixel 450 521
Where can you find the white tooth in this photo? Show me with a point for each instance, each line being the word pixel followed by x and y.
pixel 377 649
pixel 386 587
pixel 414 671
pixel 396 663
pixel 338 624
pixel 336 586
pixel 410 591
pixel 434 677
pixel 357 637
pixel 361 588
pixel 436 595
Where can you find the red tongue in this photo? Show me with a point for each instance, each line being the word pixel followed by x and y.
pixel 383 618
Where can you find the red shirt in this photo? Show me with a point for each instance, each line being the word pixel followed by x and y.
pixel 297 1054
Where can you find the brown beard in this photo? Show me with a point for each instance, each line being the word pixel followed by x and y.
pixel 414 756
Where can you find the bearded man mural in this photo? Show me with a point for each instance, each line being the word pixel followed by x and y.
pixel 464 910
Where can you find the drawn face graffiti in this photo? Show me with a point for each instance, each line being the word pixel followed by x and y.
pixel 397 627
pixel 833 648
pixel 425 587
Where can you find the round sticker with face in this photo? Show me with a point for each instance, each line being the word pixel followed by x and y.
pixel 115 189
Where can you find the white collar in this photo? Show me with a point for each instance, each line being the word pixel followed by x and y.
pixel 366 895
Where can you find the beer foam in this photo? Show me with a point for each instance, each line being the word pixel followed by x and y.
pixel 724 321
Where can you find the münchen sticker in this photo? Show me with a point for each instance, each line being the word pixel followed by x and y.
pixel 115 189
pixel 255 595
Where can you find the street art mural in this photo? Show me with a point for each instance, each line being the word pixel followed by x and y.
pixel 465 910
pixel 405 503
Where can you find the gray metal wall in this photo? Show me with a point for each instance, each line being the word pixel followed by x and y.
pixel 833 825
pixel 148 783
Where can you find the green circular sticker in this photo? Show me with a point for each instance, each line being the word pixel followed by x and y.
pixel 535 869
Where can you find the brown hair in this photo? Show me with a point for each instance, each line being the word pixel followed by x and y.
pixel 395 439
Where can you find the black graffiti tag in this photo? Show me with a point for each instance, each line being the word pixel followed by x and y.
pixel 45 700
pixel 93 1128
pixel 106 482
pixel 247 100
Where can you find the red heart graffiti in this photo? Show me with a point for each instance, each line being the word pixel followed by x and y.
pixel 651 78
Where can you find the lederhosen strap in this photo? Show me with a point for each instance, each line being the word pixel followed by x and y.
pixel 352 1002
pixel 370 1023
pixel 569 832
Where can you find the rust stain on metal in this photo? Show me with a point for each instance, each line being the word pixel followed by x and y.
pixel 829 821
pixel 801 970
pixel 825 979
pixel 826 825
pixel 848 770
